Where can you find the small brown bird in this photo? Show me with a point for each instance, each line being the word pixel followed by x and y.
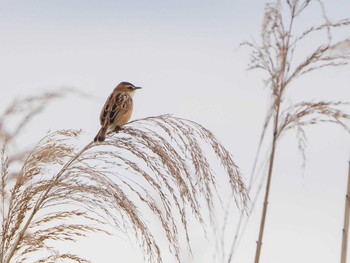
pixel 117 110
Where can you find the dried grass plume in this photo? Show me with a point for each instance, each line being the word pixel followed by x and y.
pixel 60 192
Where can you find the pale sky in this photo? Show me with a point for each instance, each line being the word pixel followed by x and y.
pixel 185 56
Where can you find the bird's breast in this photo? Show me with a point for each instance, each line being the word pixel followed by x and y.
pixel 124 118
pixel 121 120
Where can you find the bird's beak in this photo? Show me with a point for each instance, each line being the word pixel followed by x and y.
pixel 137 88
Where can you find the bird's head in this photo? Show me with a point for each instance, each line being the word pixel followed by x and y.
pixel 126 87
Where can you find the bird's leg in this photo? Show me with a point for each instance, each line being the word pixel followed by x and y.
pixel 118 128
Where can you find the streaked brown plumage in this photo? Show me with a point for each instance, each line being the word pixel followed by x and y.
pixel 117 110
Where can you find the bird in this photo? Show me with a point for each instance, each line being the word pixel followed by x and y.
pixel 117 110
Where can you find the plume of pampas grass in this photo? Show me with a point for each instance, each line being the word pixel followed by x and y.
pixel 157 164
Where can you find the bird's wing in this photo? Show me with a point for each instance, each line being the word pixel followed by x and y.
pixel 116 105
pixel 105 109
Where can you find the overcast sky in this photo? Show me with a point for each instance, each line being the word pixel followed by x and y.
pixel 185 55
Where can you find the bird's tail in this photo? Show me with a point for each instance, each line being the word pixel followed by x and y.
pixel 101 135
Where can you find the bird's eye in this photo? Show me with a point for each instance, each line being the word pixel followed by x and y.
pixel 130 88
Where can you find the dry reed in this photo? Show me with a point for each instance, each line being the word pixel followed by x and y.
pixel 157 164
pixel 275 56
